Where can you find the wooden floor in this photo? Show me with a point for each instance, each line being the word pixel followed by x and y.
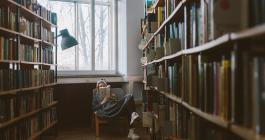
pixel 108 132
pixel 87 134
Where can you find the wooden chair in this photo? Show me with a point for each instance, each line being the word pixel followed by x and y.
pixel 98 121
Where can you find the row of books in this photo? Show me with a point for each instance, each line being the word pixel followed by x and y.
pixel 40 10
pixel 47 35
pixel 29 4
pixel 29 101
pixel 47 55
pixel 47 96
pixel 13 79
pixel 8 18
pixel 27 128
pixel 31 28
pixel 200 24
pixel 29 53
pixel 175 121
pixel 48 76
pixel 8 48
pixel 257 12
pixel 206 83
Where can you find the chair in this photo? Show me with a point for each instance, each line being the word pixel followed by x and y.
pixel 98 121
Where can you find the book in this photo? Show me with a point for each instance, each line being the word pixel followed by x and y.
pixel 104 92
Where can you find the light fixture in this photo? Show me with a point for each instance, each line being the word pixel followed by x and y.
pixel 68 41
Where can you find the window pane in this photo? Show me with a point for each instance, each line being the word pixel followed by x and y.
pixel 66 58
pixel 103 57
pixel 102 0
pixel 84 37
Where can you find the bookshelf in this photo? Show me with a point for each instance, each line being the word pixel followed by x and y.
pixel 28 70
pixel 202 73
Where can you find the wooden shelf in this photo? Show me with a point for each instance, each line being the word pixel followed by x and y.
pixel 10 61
pixel 47 43
pixel 46 64
pixel 36 135
pixel 9 92
pixel 9 32
pixel 171 97
pixel 27 13
pixel 30 63
pixel 30 88
pixel 209 117
pixel 245 133
pixel 14 92
pixel 29 38
pixel 171 17
pixel 212 44
pixel 252 32
pixel 17 119
pixel 159 3
pixel 50 85
pixel 47 23
pixel 13 3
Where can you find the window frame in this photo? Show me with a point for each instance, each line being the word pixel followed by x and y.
pixel 112 41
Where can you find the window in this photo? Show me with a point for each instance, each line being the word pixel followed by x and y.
pixel 93 29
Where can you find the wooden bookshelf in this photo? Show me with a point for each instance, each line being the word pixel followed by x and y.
pixel 24 71
pixel 27 115
pixel 171 17
pixel 208 117
pixel 36 135
pixel 203 56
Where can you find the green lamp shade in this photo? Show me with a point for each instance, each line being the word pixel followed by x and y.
pixel 68 41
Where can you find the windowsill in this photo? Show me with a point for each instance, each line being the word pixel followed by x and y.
pixel 90 79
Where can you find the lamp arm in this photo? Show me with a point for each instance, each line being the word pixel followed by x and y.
pixel 58 36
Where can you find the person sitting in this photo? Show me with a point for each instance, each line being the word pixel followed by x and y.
pixel 108 106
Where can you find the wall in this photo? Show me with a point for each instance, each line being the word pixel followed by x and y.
pixel 135 11
pixel 130 13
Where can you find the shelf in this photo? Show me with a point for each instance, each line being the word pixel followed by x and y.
pixel 30 88
pixel 13 3
pixel 159 3
pixel 29 38
pixel 50 85
pixel 25 115
pixel 30 63
pixel 46 64
pixel 167 21
pixel 47 43
pixel 243 132
pixel 9 61
pixel 27 13
pixel 47 23
pixel 166 58
pixel 9 32
pixel 9 92
pixel 246 133
pixel 209 117
pixel 171 97
pixel 36 135
pixel 212 44
pixel 252 32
